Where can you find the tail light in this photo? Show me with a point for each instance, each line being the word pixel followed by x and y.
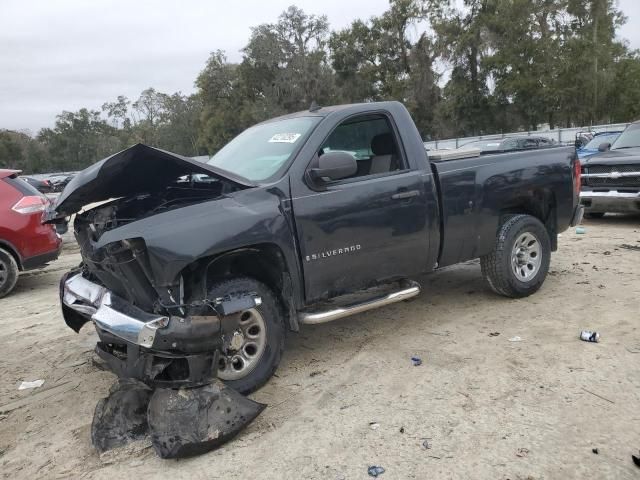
pixel 30 204
pixel 577 176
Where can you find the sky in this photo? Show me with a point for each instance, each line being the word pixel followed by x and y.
pixel 68 54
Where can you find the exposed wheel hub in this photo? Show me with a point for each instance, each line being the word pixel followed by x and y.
pixel 237 341
pixel 243 348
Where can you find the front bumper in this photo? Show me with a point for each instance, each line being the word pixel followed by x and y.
pixel 111 313
pixel 159 350
pixel 613 201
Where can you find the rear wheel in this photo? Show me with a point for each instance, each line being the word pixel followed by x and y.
pixel 8 272
pixel 519 263
pixel 252 351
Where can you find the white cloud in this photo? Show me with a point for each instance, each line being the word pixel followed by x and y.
pixel 69 54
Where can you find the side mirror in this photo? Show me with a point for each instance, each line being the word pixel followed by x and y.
pixel 334 166
pixel 603 147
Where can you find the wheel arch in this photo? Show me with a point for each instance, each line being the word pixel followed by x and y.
pixel 13 251
pixel 264 262
pixel 541 204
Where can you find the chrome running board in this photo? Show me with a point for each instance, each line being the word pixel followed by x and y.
pixel 312 318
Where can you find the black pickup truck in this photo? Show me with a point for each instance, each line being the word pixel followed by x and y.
pixel 196 270
pixel 611 178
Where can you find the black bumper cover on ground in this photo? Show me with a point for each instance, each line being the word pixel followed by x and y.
pixel 181 423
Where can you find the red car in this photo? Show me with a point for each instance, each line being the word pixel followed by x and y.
pixel 25 243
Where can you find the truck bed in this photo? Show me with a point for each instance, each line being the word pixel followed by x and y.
pixel 476 192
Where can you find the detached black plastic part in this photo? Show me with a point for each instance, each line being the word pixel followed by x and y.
pixel 122 416
pixel 189 422
pixel 182 423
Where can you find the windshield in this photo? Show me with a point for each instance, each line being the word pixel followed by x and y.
pixel 598 139
pixel 259 152
pixel 629 138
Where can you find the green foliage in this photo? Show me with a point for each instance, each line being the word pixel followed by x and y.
pixel 461 68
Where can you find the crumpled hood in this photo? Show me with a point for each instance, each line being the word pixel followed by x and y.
pixel 617 157
pixel 135 170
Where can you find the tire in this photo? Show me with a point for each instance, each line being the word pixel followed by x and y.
pixel 522 246
pixel 594 215
pixel 8 272
pixel 268 344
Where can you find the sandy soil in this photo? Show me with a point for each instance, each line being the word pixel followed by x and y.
pixel 489 408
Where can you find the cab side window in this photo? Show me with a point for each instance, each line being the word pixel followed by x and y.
pixel 371 140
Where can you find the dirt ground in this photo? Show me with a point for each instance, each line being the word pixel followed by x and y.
pixel 489 407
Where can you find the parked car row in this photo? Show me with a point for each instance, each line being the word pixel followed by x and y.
pixel 49 184
pixel 510 144
pixel 43 186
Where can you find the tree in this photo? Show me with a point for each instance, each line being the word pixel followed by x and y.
pixel 11 150
pixel 624 99
pixel 378 60
pixel 354 58
pixel 285 64
pixel 79 139
pixel 223 103
pixel 179 130
pixel 118 112
pixel 463 41
pixel 588 56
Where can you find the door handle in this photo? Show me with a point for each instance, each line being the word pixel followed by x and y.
pixel 405 195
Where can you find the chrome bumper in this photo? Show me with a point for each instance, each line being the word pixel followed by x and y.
pixel 610 201
pixel 111 313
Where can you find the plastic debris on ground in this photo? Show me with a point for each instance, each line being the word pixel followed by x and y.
pixel 494 334
pixel 374 425
pixel 417 361
pixel 425 444
pixel 180 423
pixel 375 470
pixel 581 230
pixel 522 452
pixel 595 450
pixel 515 339
pixel 34 384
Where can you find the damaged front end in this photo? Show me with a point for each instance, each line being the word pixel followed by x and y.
pixel 153 330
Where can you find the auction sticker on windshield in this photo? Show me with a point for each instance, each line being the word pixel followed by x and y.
pixel 285 138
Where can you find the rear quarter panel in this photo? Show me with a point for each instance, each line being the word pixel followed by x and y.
pixel 477 192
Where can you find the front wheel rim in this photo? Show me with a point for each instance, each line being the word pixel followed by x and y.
pixel 243 348
pixel 526 257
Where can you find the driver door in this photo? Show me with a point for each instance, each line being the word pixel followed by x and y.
pixel 371 227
